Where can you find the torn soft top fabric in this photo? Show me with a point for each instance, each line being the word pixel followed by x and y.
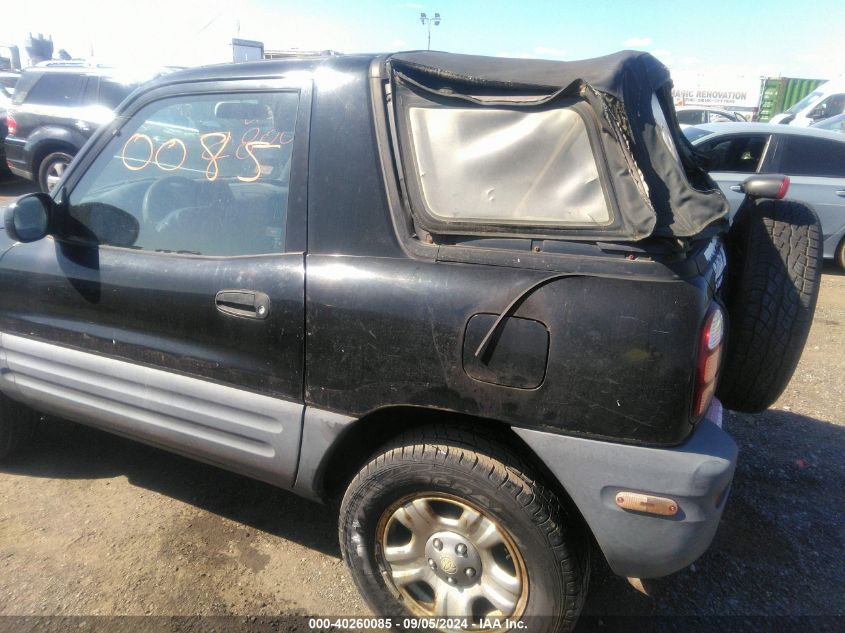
pixel 657 182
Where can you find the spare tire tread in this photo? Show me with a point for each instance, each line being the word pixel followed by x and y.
pixel 771 300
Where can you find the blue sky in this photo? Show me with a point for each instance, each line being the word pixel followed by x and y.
pixel 753 38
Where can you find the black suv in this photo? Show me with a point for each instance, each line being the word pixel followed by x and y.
pixel 488 303
pixel 7 89
pixel 54 110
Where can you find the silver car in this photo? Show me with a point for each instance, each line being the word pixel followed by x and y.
pixel 813 159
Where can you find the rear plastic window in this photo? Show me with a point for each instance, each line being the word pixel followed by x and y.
pixel 507 166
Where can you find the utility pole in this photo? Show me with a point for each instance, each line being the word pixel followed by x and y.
pixel 425 20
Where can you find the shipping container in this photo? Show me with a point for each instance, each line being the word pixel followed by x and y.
pixel 779 93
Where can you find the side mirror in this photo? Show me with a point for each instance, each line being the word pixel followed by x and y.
pixel 818 113
pixel 766 186
pixel 30 217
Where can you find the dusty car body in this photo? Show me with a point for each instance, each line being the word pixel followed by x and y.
pixel 376 285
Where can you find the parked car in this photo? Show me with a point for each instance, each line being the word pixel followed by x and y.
pixel 694 115
pixel 496 335
pixel 814 160
pixel 834 123
pixel 824 102
pixel 5 101
pixel 54 110
pixel 8 81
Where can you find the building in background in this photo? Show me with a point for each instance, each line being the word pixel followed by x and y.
pixel 732 93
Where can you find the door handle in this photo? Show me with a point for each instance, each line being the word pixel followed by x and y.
pixel 249 304
pixel 737 188
pixel 841 193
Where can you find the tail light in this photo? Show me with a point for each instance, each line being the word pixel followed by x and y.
pixel 784 187
pixel 709 359
pixel 11 124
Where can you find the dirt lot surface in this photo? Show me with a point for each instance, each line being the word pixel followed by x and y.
pixel 92 524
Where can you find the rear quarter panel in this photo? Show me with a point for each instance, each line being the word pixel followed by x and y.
pixel 389 331
pixel 387 328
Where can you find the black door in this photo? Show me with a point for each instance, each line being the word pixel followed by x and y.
pixel 171 306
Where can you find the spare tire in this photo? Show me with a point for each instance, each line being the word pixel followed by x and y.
pixel 774 270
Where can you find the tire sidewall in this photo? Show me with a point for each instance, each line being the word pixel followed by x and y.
pixel 840 254
pixel 375 494
pixel 50 159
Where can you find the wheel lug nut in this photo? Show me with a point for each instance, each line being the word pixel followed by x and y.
pixel 438 544
pixel 451 580
pixel 470 572
pixel 461 549
pixel 432 564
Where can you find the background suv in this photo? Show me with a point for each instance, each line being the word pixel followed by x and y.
pixel 54 110
pixel 7 89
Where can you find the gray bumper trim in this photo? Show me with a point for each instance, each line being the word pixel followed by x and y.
pixel 246 432
pixel 18 171
pixel 696 474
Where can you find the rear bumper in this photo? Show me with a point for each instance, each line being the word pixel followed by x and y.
pixel 16 157
pixel 696 475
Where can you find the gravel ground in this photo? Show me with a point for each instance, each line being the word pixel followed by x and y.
pixel 11 187
pixel 779 550
pixel 92 524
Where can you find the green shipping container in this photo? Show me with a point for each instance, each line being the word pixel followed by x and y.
pixel 780 93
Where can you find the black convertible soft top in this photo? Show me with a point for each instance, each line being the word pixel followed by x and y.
pixel 659 185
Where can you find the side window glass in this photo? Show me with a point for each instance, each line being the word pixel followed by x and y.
pixel 691 117
pixel 717 117
pixel 113 92
pixel 63 89
pixel 24 84
pixel 737 154
pixel 201 174
pixel 813 157
pixel 833 105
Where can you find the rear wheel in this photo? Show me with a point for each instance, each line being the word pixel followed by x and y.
pixel 17 426
pixel 447 523
pixel 52 169
pixel 840 254
pixel 775 267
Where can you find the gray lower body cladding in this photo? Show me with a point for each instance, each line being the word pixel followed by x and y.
pixel 696 475
pixel 285 444
pixel 239 430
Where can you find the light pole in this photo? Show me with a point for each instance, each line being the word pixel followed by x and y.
pixel 425 20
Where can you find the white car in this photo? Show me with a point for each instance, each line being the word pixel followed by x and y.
pixel 824 102
pixel 813 159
